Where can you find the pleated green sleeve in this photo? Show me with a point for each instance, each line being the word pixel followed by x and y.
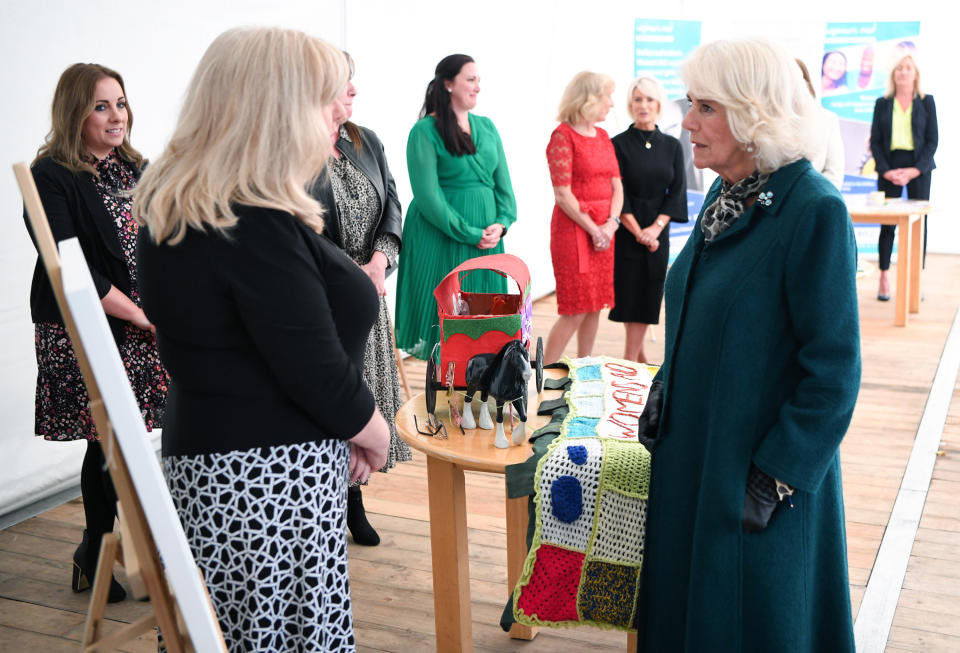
pixel 424 182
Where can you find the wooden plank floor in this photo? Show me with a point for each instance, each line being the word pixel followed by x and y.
pixel 392 583
pixel 928 613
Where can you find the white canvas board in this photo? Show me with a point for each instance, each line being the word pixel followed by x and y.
pixel 134 442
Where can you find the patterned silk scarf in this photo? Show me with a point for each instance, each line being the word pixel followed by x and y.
pixel 729 204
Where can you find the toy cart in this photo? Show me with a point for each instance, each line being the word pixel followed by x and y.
pixel 480 323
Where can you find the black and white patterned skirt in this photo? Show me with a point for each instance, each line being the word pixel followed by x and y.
pixel 266 527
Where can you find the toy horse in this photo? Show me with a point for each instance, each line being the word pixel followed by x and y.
pixel 504 377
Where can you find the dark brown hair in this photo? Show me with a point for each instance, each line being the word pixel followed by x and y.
pixel 437 103
pixel 73 101
pixel 806 77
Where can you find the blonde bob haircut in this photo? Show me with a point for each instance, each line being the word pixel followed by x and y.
pixel 892 84
pixel 649 86
pixel 769 109
pixel 583 97
pixel 251 132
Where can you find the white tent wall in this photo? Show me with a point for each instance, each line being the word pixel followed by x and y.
pixel 526 52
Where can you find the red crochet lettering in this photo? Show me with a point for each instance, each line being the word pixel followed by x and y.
pixel 629 427
pixel 622 371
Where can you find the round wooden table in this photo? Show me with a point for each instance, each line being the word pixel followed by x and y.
pixel 446 461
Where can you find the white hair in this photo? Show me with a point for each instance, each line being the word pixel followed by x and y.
pixel 767 102
pixel 649 86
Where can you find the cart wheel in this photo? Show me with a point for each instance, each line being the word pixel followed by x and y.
pixel 539 364
pixel 430 387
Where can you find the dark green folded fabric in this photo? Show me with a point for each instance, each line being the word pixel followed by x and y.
pixel 553 426
pixel 547 407
pixel 562 383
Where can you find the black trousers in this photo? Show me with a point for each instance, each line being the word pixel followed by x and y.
pixel 99 499
pixel 917 189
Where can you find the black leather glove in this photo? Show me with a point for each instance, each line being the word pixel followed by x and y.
pixel 650 417
pixel 760 500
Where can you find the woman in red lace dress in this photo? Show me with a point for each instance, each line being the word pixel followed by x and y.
pixel 589 196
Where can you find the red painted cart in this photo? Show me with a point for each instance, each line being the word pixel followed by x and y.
pixel 480 323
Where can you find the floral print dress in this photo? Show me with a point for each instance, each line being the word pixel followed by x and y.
pixel 62 403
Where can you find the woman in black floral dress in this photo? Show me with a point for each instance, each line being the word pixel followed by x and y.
pixel 365 220
pixel 84 172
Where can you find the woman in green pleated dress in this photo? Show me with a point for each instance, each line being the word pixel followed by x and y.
pixel 462 204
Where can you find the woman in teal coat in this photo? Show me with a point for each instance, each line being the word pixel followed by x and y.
pixel 462 204
pixel 745 545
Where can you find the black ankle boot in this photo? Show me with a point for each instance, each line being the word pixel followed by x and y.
pixel 84 569
pixel 360 528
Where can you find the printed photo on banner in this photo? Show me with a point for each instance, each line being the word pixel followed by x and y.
pixel 854 70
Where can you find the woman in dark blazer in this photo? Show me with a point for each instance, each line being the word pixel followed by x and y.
pixel 364 219
pixel 263 323
pixel 904 155
pixel 83 174
pixel 654 195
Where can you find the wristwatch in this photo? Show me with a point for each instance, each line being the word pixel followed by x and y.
pixel 615 218
pixel 661 223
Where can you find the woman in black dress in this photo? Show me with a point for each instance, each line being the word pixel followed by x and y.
pixel 84 172
pixel 654 195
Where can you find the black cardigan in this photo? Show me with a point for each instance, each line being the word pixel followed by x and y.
pixel 372 162
pixel 74 208
pixel 923 124
pixel 263 330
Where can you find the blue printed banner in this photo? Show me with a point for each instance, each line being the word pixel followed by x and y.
pixel 856 64
pixel 857 60
pixel 854 71
pixel 660 47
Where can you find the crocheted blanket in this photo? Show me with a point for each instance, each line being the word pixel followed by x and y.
pixel 583 566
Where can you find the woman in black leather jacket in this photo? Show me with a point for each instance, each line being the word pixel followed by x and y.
pixel 364 218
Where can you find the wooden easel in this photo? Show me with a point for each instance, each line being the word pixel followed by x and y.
pixel 138 553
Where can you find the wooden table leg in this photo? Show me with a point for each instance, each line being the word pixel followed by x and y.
pixel 448 544
pixel 517 518
pixel 916 262
pixel 904 233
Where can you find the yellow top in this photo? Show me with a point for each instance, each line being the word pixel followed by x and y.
pixel 901 137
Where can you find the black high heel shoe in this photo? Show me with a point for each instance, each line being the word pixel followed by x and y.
pixel 363 533
pixel 81 578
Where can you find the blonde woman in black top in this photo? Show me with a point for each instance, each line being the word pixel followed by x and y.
pixel 903 157
pixel 263 323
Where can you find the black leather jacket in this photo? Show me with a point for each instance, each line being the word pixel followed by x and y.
pixel 372 162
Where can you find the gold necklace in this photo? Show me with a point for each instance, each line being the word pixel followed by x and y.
pixel 647 141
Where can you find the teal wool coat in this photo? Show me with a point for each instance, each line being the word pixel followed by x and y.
pixel 762 364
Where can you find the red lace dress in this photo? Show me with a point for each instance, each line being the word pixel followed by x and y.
pixel 584 276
